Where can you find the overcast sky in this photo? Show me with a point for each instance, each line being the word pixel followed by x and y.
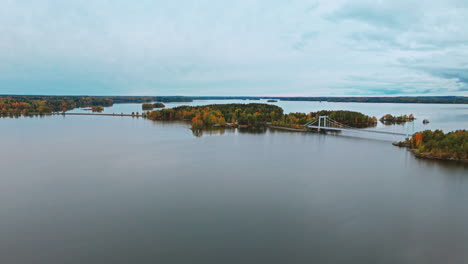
pixel 241 47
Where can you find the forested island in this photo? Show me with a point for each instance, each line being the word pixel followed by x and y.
pixel 253 115
pixel 439 145
pixel 152 106
pixel 221 115
pixel 389 119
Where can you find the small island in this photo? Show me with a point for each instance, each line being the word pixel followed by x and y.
pixel 389 119
pixel 438 145
pixel 272 101
pixel 152 106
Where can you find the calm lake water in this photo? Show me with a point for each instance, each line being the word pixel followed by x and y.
pixel 83 189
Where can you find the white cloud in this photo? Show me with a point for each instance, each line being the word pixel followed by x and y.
pixel 233 47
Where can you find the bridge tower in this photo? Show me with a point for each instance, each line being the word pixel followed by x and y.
pixel 320 121
pixel 409 129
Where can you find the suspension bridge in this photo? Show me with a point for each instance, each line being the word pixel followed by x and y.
pixel 325 123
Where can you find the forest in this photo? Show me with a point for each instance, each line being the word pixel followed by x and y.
pixel 400 99
pixel 43 104
pixel 439 145
pixel 24 105
pixel 248 115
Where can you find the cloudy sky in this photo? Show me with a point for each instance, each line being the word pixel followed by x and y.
pixel 242 47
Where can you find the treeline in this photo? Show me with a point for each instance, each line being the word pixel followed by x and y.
pixel 404 100
pixel 389 119
pixel 399 99
pixel 147 99
pixel 22 105
pixel 38 104
pixel 252 115
pixel 171 99
pixel 439 145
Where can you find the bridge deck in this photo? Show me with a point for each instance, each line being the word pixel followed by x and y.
pixel 358 130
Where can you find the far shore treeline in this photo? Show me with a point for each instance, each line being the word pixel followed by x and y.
pixel 24 105
pixel 20 104
pixel 44 104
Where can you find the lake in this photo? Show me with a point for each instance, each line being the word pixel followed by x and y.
pixel 98 189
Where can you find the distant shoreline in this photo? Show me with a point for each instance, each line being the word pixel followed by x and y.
pixel 187 99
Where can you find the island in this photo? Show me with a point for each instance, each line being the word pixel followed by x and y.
pixel 389 119
pixel 152 106
pixel 438 145
pixel 272 101
pixel 221 115
pixel 254 115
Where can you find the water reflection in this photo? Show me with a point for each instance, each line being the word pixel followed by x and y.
pixel 211 132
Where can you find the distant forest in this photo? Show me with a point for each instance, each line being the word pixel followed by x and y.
pixel 39 104
pixel 400 99
pixel 169 99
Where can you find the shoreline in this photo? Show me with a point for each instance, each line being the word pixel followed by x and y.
pixel 426 156
pixel 430 157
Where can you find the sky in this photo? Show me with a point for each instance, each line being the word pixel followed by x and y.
pixel 242 47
